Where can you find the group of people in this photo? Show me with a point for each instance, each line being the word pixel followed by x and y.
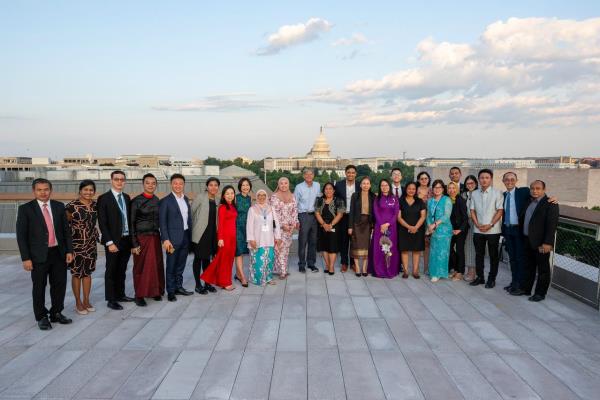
pixel 378 233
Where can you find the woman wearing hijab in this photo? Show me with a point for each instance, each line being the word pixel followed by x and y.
pixel 286 212
pixel 263 234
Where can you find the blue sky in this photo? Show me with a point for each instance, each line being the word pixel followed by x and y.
pixel 186 78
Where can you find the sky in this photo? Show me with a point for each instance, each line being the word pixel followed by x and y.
pixel 258 79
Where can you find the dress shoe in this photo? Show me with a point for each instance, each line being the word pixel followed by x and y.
pixel 183 292
pixel 536 297
pixel 81 312
pixel 201 290
pixel 171 297
pixel 126 299
pixel 516 292
pixel 240 281
pixel 113 305
pixel 210 288
pixel 157 298
pixel 508 288
pixel 44 324
pixel 344 267
pixel 140 302
pixel 490 284
pixel 61 319
pixel 477 281
pixel 331 272
pixel 302 269
pixel 314 269
pixel 90 308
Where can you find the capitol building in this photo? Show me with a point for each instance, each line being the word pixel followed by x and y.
pixel 319 157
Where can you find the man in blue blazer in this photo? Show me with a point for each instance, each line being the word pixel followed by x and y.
pixel 175 233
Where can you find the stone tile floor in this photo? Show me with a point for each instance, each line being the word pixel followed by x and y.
pixel 313 336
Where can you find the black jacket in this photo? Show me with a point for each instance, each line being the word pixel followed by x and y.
pixel 32 234
pixel 144 217
pixel 459 216
pixel 340 189
pixel 356 207
pixel 110 219
pixel 543 222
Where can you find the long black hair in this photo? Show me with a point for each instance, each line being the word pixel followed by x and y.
pixel 428 178
pixel 223 201
pixel 379 193
pixel 474 179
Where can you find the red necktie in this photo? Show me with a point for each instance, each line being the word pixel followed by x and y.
pixel 50 226
pixel 396 192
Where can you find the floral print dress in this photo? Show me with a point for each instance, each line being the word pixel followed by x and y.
pixel 286 214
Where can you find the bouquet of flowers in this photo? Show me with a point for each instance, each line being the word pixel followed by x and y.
pixel 386 248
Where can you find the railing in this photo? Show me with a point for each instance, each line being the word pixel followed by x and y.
pixel 576 260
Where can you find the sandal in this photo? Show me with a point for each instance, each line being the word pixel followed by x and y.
pixel 404 275
pixel 229 288
pixel 416 276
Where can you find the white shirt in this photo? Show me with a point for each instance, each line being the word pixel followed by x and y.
pixel 485 204
pixel 399 187
pixel 125 211
pixel 183 208
pixel 41 204
pixel 514 218
pixel 349 192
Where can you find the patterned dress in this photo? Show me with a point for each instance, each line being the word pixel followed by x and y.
pixel 85 237
pixel 286 214
pixel 439 251
pixel 242 203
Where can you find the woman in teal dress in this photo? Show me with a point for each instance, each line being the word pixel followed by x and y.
pixel 243 201
pixel 439 208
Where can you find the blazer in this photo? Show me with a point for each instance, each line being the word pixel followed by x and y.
pixel 171 220
pixel 340 189
pixel 356 207
pixel 32 234
pixel 543 223
pixel 110 219
pixel 200 210
pixel 460 217
pixel 522 195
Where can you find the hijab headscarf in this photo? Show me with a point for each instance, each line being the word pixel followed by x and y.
pixel 257 207
pixel 286 197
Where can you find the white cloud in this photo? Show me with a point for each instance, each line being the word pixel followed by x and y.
pixel 291 35
pixel 520 71
pixel 220 103
pixel 356 38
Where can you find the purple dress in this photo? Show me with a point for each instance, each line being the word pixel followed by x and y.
pixel 385 210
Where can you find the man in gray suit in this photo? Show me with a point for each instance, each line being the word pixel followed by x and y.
pixel 204 231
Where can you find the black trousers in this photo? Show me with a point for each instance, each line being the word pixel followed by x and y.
pixel 536 263
pixel 116 267
pixel 514 245
pixel 457 253
pixel 199 266
pixel 55 270
pixel 345 257
pixel 492 241
pixel 307 240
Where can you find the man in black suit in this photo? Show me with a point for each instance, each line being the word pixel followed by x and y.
pixel 175 233
pixel 344 189
pixel 539 221
pixel 113 209
pixel 45 244
pixel 455 174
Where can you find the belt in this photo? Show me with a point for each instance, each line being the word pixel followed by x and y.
pixel 309 213
pixel 511 226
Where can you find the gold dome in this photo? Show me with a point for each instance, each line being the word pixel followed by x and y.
pixel 321 148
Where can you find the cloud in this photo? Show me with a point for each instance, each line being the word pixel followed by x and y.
pixel 356 38
pixel 220 103
pixel 292 35
pixel 520 71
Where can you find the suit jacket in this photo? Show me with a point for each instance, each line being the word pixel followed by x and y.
pixel 340 189
pixel 171 220
pixel 543 222
pixel 200 211
pixel 459 217
pixel 32 233
pixel 522 195
pixel 110 219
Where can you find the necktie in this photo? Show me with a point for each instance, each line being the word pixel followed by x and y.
pixel 507 210
pixel 122 208
pixel 49 226
pixel 396 192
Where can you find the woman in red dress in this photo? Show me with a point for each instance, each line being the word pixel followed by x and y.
pixel 218 273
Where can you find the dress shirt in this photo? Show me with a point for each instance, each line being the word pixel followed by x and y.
pixel 399 188
pixel 349 192
pixel 486 203
pixel 41 204
pixel 528 214
pixel 511 208
pixel 124 211
pixel 183 208
pixel 306 195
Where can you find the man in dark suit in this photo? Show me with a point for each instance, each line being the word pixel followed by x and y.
pixel 113 209
pixel 539 221
pixel 45 244
pixel 344 189
pixel 515 200
pixel 175 233
pixel 455 174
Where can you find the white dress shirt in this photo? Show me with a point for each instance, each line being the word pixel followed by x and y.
pixel 183 208
pixel 349 192
pixel 399 187
pixel 486 203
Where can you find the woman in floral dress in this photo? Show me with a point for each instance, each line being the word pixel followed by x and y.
pixel 286 212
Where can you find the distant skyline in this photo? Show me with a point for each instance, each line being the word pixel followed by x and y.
pixel 196 79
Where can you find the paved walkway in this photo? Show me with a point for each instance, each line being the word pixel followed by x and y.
pixel 312 336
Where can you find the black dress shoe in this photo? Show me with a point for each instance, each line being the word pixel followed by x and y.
pixel 516 292
pixel 113 305
pixel 240 281
pixel 126 299
pixel 536 297
pixel 358 274
pixel 171 297
pixel 61 319
pixel 508 288
pixel 201 290
pixel 331 272
pixel 477 281
pixel 157 298
pixel 365 274
pixel 183 292
pixel 490 284
pixel 44 324
pixel 210 288
pixel 140 302
pixel 302 269
pixel 314 269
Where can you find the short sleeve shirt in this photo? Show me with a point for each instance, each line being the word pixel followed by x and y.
pixel 485 204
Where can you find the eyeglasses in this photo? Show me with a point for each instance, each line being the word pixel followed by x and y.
pixel 119 179
pixel 438 187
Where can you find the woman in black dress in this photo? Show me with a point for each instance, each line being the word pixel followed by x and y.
pixel 329 210
pixel 411 234
pixel 82 215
